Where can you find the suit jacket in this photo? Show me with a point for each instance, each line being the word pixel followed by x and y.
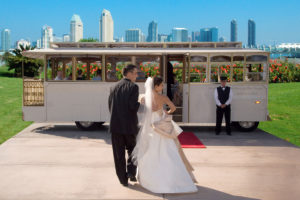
pixel 123 106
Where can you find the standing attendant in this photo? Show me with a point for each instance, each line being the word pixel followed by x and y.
pixel 123 106
pixel 223 98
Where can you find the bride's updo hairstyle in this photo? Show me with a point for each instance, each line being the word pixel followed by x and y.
pixel 157 80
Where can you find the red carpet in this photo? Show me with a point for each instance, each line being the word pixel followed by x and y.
pixel 190 140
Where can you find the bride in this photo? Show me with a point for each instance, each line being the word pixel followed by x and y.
pixel 162 165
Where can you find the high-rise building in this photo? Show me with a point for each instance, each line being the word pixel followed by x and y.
pixel 233 31
pixel 39 44
pixel 76 28
pixel 251 33
pixel 5 40
pixel 66 38
pixel 133 35
pixel 143 38
pixel 162 37
pixel 209 34
pixel 152 32
pixel 214 34
pixel 106 27
pixel 47 36
pixel 169 39
pixel 205 35
pixel 195 36
pixel 179 35
pixel 22 42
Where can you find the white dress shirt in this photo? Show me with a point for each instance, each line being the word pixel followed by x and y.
pixel 217 97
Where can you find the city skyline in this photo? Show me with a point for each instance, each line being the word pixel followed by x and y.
pixel 267 28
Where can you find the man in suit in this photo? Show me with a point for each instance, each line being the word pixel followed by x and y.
pixel 170 80
pixel 123 106
pixel 223 97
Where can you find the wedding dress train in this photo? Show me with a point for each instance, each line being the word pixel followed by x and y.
pixel 163 168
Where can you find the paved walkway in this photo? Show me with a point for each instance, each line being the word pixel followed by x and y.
pixel 47 161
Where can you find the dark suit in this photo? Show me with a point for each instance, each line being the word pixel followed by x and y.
pixel 170 80
pixel 223 96
pixel 123 106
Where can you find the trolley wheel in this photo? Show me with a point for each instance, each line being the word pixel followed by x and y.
pixel 99 124
pixel 86 126
pixel 246 126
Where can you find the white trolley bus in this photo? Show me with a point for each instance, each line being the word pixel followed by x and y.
pixel 197 67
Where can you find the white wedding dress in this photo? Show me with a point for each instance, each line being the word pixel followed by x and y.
pixel 161 168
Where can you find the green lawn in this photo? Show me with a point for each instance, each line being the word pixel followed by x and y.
pixel 284 110
pixel 11 106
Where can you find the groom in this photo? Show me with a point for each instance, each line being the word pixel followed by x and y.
pixel 123 106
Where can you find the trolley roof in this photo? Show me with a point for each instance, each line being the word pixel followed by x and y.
pixel 124 48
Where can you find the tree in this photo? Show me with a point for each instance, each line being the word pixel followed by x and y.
pixel 89 40
pixel 14 62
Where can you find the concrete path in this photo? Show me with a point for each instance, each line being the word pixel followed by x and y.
pixel 57 161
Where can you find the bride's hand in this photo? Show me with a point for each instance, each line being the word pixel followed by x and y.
pixel 143 100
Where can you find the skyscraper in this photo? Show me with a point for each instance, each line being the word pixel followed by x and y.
pixel 47 36
pixel 214 34
pixel 76 28
pixel 209 34
pixel 39 43
pixel 179 35
pixel 133 35
pixel 205 35
pixel 233 31
pixel 251 33
pixel 5 40
pixel 195 36
pixel 106 27
pixel 152 32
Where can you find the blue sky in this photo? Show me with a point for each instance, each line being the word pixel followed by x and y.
pixel 276 20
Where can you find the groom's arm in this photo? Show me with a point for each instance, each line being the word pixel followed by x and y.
pixel 133 99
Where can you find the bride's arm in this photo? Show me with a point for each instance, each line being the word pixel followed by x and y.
pixel 170 104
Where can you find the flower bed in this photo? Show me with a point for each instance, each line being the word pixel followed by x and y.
pixel 283 71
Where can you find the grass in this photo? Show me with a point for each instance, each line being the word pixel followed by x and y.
pixel 284 110
pixel 11 106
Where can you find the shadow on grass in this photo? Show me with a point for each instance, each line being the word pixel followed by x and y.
pixel 5 73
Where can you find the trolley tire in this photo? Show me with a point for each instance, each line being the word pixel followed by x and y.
pixel 99 124
pixel 246 126
pixel 86 126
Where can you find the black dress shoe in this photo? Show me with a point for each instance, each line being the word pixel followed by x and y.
pixel 125 184
pixel 229 133
pixel 217 133
pixel 131 177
